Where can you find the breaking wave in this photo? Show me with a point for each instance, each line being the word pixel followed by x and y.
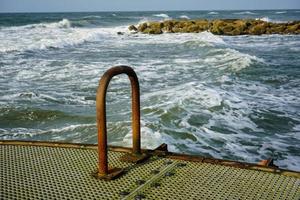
pixel 231 59
pixel 281 12
pixel 245 13
pixel 64 23
pixel 50 36
pixel 92 17
pixel 161 15
pixel 184 17
pixel 267 19
pixel 75 131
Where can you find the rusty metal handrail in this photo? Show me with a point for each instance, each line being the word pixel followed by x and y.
pixel 103 170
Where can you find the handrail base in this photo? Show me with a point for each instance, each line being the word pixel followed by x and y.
pixel 113 173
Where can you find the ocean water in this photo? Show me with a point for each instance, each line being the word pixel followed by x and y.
pixel 231 97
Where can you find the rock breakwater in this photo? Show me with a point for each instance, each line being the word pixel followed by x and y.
pixel 218 27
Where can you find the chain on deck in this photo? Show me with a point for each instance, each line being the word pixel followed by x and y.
pixel 37 172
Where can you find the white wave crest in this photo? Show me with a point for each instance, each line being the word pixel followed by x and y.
pixel 151 139
pixel 213 13
pixel 209 37
pixel 245 13
pixel 267 19
pixel 231 59
pixel 194 92
pixel 281 12
pixel 143 20
pixel 17 133
pixel 64 23
pixel 184 17
pixel 161 15
pixel 92 16
pixel 53 35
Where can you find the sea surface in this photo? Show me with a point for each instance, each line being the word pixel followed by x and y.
pixel 231 97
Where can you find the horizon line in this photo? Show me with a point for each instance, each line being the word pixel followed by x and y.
pixel 37 12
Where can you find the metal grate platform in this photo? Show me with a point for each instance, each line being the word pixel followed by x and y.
pixel 64 172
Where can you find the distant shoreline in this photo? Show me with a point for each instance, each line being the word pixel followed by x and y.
pixel 218 27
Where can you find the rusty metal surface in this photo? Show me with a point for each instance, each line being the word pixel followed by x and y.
pixel 160 151
pixel 42 170
pixel 136 156
pixel 209 181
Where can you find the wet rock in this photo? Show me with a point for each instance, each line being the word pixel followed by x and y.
pixel 154 28
pixel 239 27
pixel 192 29
pixel 219 27
pixel 168 25
pixel 276 29
pixel 153 31
pixel 259 28
pixel 228 27
pixel 293 28
pixel 203 25
pixel 132 28
pixel 142 27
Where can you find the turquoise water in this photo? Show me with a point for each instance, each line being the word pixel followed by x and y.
pixel 218 96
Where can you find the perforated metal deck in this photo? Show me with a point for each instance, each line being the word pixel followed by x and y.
pixel 64 172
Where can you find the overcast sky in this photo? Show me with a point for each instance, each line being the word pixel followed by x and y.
pixel 142 5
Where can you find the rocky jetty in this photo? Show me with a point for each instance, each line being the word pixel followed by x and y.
pixel 218 27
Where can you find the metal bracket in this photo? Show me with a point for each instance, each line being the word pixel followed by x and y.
pixel 161 150
pixel 268 163
pixel 113 173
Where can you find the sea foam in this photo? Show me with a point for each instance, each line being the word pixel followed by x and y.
pixel 267 19
pixel 162 15
pixel 52 35
pixel 281 12
pixel 184 17
pixel 244 13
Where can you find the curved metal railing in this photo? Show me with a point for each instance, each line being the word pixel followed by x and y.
pixel 103 170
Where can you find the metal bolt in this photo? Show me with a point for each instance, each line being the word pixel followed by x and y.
pixel 140 182
pixel 139 197
pixel 155 171
pixel 155 185
pixel 169 173
pixel 168 162
pixel 124 193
